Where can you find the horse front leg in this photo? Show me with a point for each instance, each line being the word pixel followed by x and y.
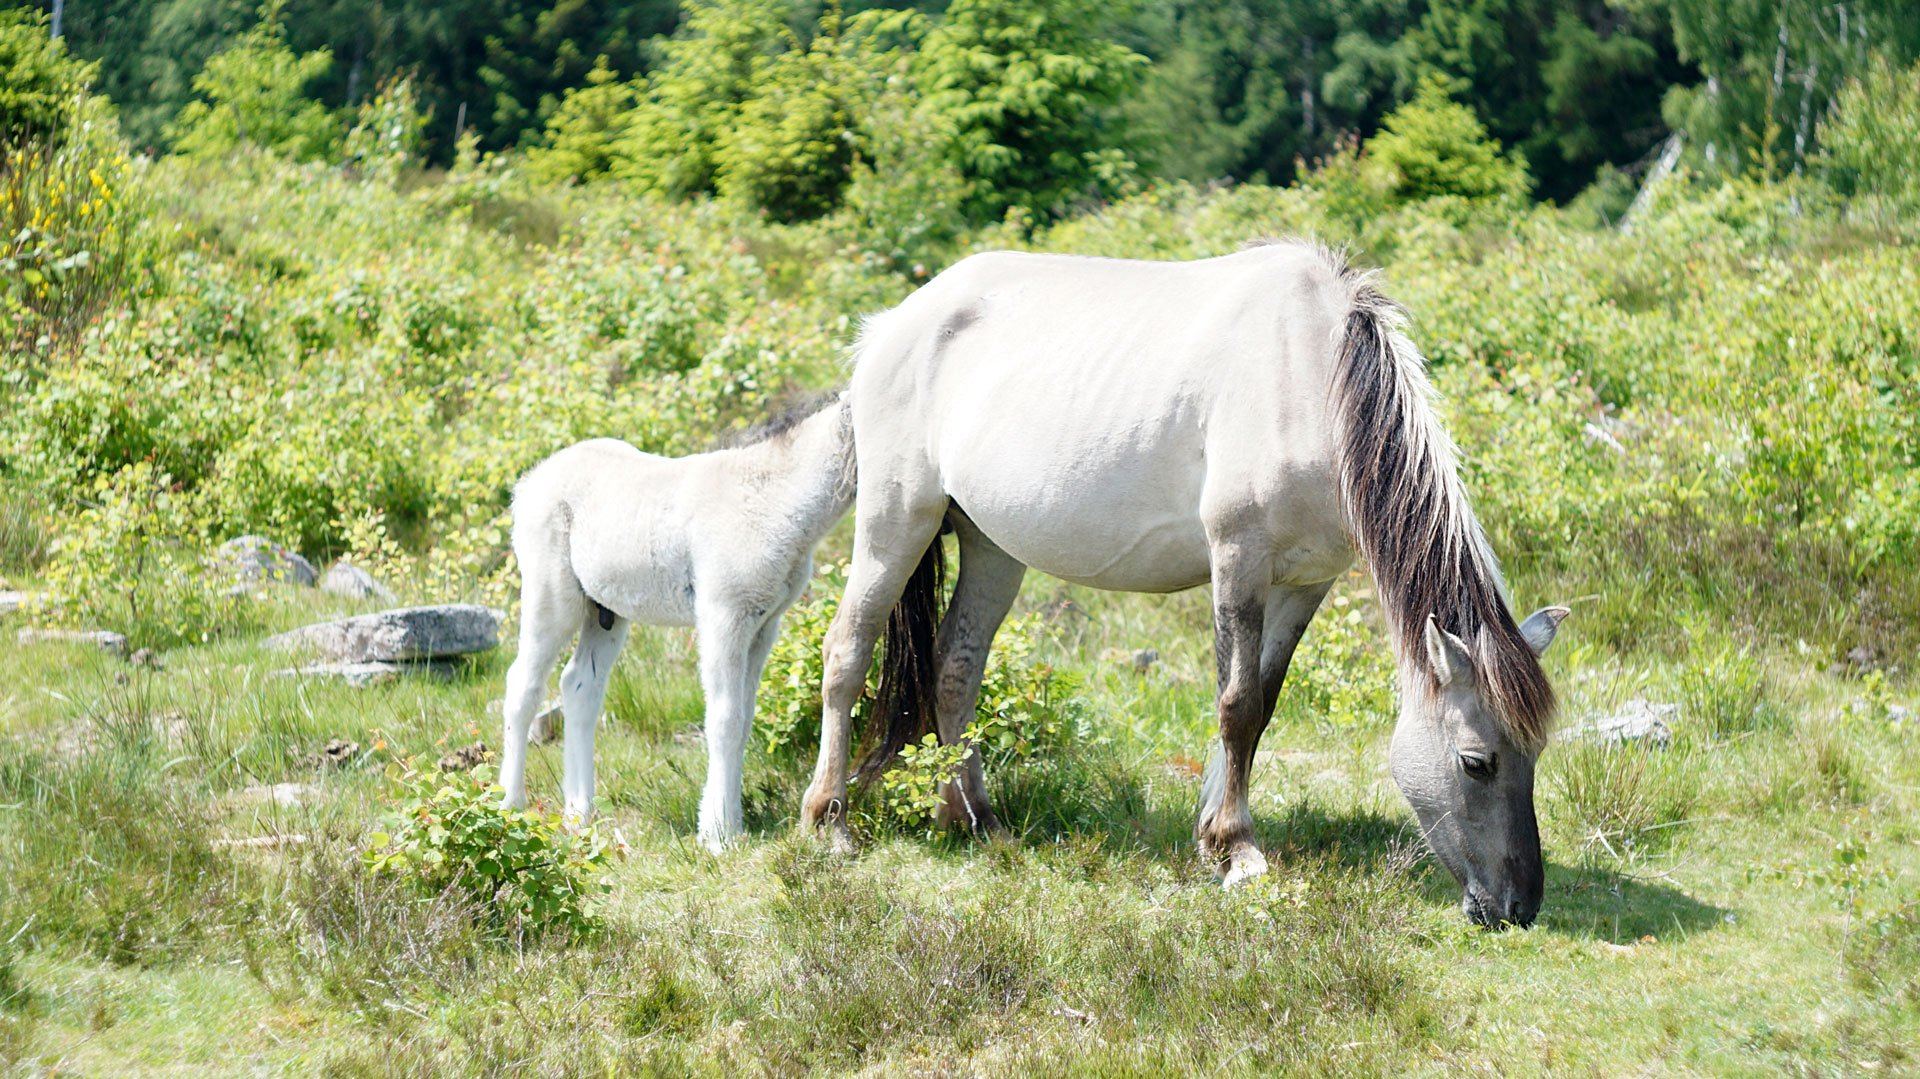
pixel 984 592
pixel 731 654
pixel 1241 582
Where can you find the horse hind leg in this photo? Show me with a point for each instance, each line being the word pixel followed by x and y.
pixel 888 545
pixel 988 583
pixel 551 608
pixel 583 690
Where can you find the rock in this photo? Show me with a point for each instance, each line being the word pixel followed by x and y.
pixel 337 753
pixel 257 558
pixel 1637 719
pixel 259 842
pixel 362 675
pixel 398 635
pixel 1144 659
pixel 13 601
pixel 146 657
pixel 1862 658
pixel 347 579
pixel 102 638
pixel 547 723
pixel 280 794
pixel 465 758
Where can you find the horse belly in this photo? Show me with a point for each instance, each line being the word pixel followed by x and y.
pixel 638 583
pixel 1124 523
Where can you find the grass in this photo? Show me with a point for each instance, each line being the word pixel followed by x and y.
pixel 1090 943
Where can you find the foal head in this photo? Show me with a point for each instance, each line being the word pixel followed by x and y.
pixel 1469 776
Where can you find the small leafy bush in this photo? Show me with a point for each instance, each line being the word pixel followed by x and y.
pixel 131 560
pixel 525 869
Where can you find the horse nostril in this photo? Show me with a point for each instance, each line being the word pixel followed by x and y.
pixel 1519 914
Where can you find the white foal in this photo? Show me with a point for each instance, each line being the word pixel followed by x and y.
pixel 607 535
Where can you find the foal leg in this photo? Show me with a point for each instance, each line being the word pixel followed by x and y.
pixel 987 585
pixel 551 607
pixel 888 544
pixel 727 644
pixel 1242 577
pixel 583 689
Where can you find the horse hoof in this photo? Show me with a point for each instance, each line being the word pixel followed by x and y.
pixel 1247 864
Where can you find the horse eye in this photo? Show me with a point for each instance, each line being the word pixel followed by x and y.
pixel 1477 766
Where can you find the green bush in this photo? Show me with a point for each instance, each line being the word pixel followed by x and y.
pixel 525 870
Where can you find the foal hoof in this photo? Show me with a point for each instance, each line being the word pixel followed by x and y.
pixel 1247 863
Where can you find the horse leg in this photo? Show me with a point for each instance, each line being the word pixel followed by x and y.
pixel 887 547
pixel 583 689
pixel 988 583
pixel 550 607
pixel 727 644
pixel 1241 582
pixel 1289 610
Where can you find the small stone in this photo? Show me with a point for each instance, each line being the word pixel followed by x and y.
pixel 13 601
pixel 347 579
pixel 257 558
pixel 464 759
pixel 146 657
pixel 1862 657
pixel 404 633
pixel 1144 659
pixel 102 638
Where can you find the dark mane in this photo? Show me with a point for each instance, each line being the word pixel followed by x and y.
pixel 1410 517
pixel 783 422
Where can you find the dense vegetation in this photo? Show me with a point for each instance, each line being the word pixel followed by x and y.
pixel 1697 421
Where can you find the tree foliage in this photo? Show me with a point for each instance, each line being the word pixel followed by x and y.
pixel 1032 90
pixel 41 86
pixel 252 95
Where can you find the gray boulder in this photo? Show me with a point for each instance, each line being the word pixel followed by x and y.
pixel 257 558
pixel 347 579
pixel 13 601
pixel 1637 720
pixel 401 635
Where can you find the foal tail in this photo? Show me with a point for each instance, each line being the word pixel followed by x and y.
pixel 903 706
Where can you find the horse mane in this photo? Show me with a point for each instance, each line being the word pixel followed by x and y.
pixel 1409 515
pixel 785 421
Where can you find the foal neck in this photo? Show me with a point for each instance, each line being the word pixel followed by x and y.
pixel 806 470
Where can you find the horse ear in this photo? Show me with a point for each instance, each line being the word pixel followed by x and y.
pixel 1447 655
pixel 1541 625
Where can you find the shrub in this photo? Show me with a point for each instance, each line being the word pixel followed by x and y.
pixel 526 870
pixel 131 560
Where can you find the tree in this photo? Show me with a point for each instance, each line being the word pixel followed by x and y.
pixel 1435 147
pixel 1772 69
pixel 251 94
pixel 41 86
pixel 1031 89
pixel 582 132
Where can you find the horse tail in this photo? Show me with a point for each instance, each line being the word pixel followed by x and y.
pixel 903 705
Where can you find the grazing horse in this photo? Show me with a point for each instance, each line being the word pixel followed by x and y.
pixel 607 536
pixel 1247 421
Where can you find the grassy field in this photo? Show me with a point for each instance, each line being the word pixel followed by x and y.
pixel 1701 434
pixel 1697 920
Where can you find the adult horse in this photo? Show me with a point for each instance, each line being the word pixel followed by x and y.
pixel 1147 427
